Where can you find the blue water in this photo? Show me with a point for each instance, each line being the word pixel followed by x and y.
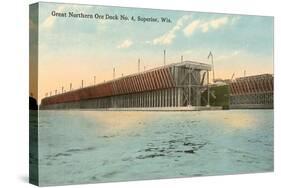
pixel 98 146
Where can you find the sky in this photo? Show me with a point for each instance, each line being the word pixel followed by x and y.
pixel 75 49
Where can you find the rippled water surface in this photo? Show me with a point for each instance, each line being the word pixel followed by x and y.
pixel 100 146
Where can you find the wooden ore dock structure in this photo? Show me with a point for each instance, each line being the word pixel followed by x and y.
pixel 173 85
pixel 252 92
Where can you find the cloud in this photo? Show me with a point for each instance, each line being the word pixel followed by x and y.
pixel 218 22
pixel 207 25
pixel 50 20
pixel 125 44
pixel 229 55
pixel 168 37
pixel 195 25
pixel 189 30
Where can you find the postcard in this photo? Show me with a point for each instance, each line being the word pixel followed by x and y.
pixel 123 94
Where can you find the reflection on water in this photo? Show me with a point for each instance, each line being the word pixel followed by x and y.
pixel 95 146
pixel 118 120
pixel 240 119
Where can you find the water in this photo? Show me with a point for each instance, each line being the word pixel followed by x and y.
pixel 97 146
